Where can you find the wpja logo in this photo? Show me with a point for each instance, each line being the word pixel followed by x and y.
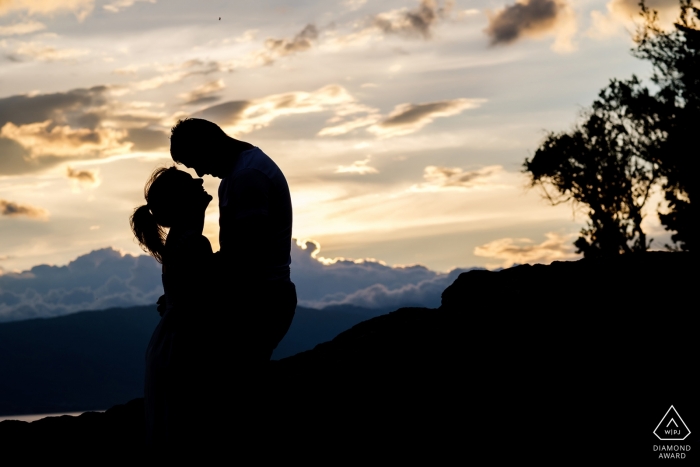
pixel 672 428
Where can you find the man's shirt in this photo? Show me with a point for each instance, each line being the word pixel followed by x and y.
pixel 255 219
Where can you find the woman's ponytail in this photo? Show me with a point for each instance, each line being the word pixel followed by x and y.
pixel 148 232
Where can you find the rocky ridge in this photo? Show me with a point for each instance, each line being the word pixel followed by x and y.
pixel 570 360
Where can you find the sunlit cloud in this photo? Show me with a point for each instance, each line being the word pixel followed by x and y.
pixel 83 178
pixel 556 247
pixel 127 70
pixel 454 178
pixel 240 117
pixel 247 36
pixel 18 29
pixel 47 139
pixel 118 5
pixel 47 53
pixel 603 25
pixel 630 8
pixel 408 118
pixel 353 5
pixel 350 125
pixel 204 93
pixel 177 73
pixel 620 16
pixel 534 18
pixel 414 22
pixel 417 22
pixel 358 167
pixel 12 209
pixel 276 48
pixel 81 8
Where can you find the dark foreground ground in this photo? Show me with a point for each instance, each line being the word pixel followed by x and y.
pixel 552 364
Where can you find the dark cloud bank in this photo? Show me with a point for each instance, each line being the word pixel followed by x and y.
pixel 104 278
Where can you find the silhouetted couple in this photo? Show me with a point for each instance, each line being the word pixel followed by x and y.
pixel 223 313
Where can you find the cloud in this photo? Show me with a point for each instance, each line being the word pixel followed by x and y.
pixel 84 178
pixel 204 93
pixel 533 18
pixel 118 5
pixel 12 209
pixel 62 107
pixel 353 5
pixel 276 48
pixel 18 29
pixel 17 160
pixel 556 247
pixel 350 125
pixel 440 178
pixel 146 139
pixel 409 118
pixel 107 278
pixel 631 7
pixel 357 167
pixel 369 283
pixel 248 115
pixel 417 22
pixel 81 8
pixel 47 139
pixel 620 16
pixel 100 279
pixel 38 131
pixel 175 74
pixel 47 53
pixel 245 116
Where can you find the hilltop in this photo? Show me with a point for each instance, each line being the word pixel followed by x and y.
pixel 574 359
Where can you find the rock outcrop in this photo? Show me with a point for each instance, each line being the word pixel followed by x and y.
pixel 574 360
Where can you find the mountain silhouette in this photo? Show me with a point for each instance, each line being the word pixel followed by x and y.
pixel 574 360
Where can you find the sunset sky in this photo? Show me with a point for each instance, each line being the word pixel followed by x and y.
pixel 401 126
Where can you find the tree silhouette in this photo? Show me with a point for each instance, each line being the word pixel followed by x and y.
pixel 675 57
pixel 630 140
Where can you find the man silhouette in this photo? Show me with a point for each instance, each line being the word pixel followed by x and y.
pixel 256 296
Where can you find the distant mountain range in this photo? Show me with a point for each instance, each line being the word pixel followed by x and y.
pixel 93 360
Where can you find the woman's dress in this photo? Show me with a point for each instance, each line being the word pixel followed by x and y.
pixel 176 379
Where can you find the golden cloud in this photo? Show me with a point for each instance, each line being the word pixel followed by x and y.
pixel 358 167
pixel 46 139
pixel 175 73
pixel 118 5
pixel 556 247
pixel 620 16
pixel 203 93
pixel 276 48
pixel 12 209
pixel 238 117
pixel 18 29
pixel 454 178
pixel 83 178
pixel 39 51
pixel 81 8
pixel 409 118
pixel 412 22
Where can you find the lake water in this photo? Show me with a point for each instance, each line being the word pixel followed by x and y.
pixel 31 418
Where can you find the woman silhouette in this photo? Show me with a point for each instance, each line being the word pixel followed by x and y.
pixel 180 350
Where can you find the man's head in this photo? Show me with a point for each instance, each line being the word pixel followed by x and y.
pixel 200 145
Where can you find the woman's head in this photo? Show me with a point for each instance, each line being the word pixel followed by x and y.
pixel 173 198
